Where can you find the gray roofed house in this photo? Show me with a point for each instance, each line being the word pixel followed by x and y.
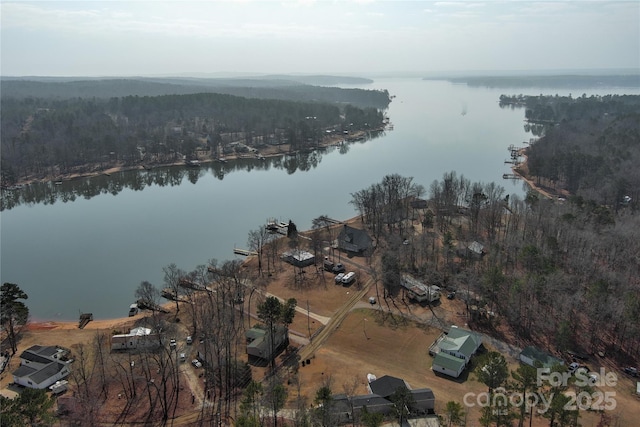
pixel 354 240
pixel 259 341
pixel 387 385
pixel 41 366
pixel 378 401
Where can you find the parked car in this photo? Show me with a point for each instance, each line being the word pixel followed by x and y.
pixel 183 357
pixel 196 363
pixel 339 277
pixel 338 268
pixel 631 371
pixel 172 343
pixel 573 367
pixel 189 340
pixel 451 295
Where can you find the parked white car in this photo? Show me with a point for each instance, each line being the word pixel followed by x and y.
pixel 196 363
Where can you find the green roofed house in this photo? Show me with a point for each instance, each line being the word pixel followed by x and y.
pixel 530 355
pixel 447 364
pixel 454 351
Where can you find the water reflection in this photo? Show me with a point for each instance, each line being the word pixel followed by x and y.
pixel 49 193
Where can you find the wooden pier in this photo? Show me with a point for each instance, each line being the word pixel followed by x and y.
pixel 510 176
pixel 244 252
pixel 85 318
pixel 147 305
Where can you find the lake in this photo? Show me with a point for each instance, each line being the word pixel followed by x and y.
pixel 87 247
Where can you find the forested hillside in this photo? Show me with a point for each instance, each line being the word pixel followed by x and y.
pixel 591 145
pixel 561 275
pixel 49 136
pixel 274 87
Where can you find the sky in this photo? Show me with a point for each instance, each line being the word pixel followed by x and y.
pixel 348 37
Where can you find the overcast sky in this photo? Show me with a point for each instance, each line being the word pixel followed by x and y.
pixel 125 38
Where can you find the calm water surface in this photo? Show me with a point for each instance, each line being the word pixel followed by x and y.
pixel 89 254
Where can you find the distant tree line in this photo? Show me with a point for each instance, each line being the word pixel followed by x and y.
pixel 44 137
pixel 556 82
pixel 289 88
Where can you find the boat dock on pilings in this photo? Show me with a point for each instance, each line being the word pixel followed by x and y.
pixel 510 176
pixel 244 252
pixel 85 318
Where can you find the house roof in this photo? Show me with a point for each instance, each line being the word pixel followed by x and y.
pixel 140 331
pixel 370 401
pixel 47 372
pixel 39 354
pixel 449 362
pixel 262 340
pixel 461 341
pixel 23 371
pixel 476 247
pixel 535 354
pixel 422 394
pixel 387 385
pixel 353 239
pixel 255 333
pixel 38 376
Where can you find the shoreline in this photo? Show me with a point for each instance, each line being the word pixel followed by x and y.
pixel 522 171
pixel 270 152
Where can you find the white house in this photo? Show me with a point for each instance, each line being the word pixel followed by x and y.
pixel 137 338
pixel 41 366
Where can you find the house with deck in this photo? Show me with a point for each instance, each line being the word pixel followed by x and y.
pixel 453 351
pixel 42 366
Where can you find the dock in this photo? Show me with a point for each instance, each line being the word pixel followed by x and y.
pixel 510 176
pixel 85 318
pixel 244 252
pixel 147 305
